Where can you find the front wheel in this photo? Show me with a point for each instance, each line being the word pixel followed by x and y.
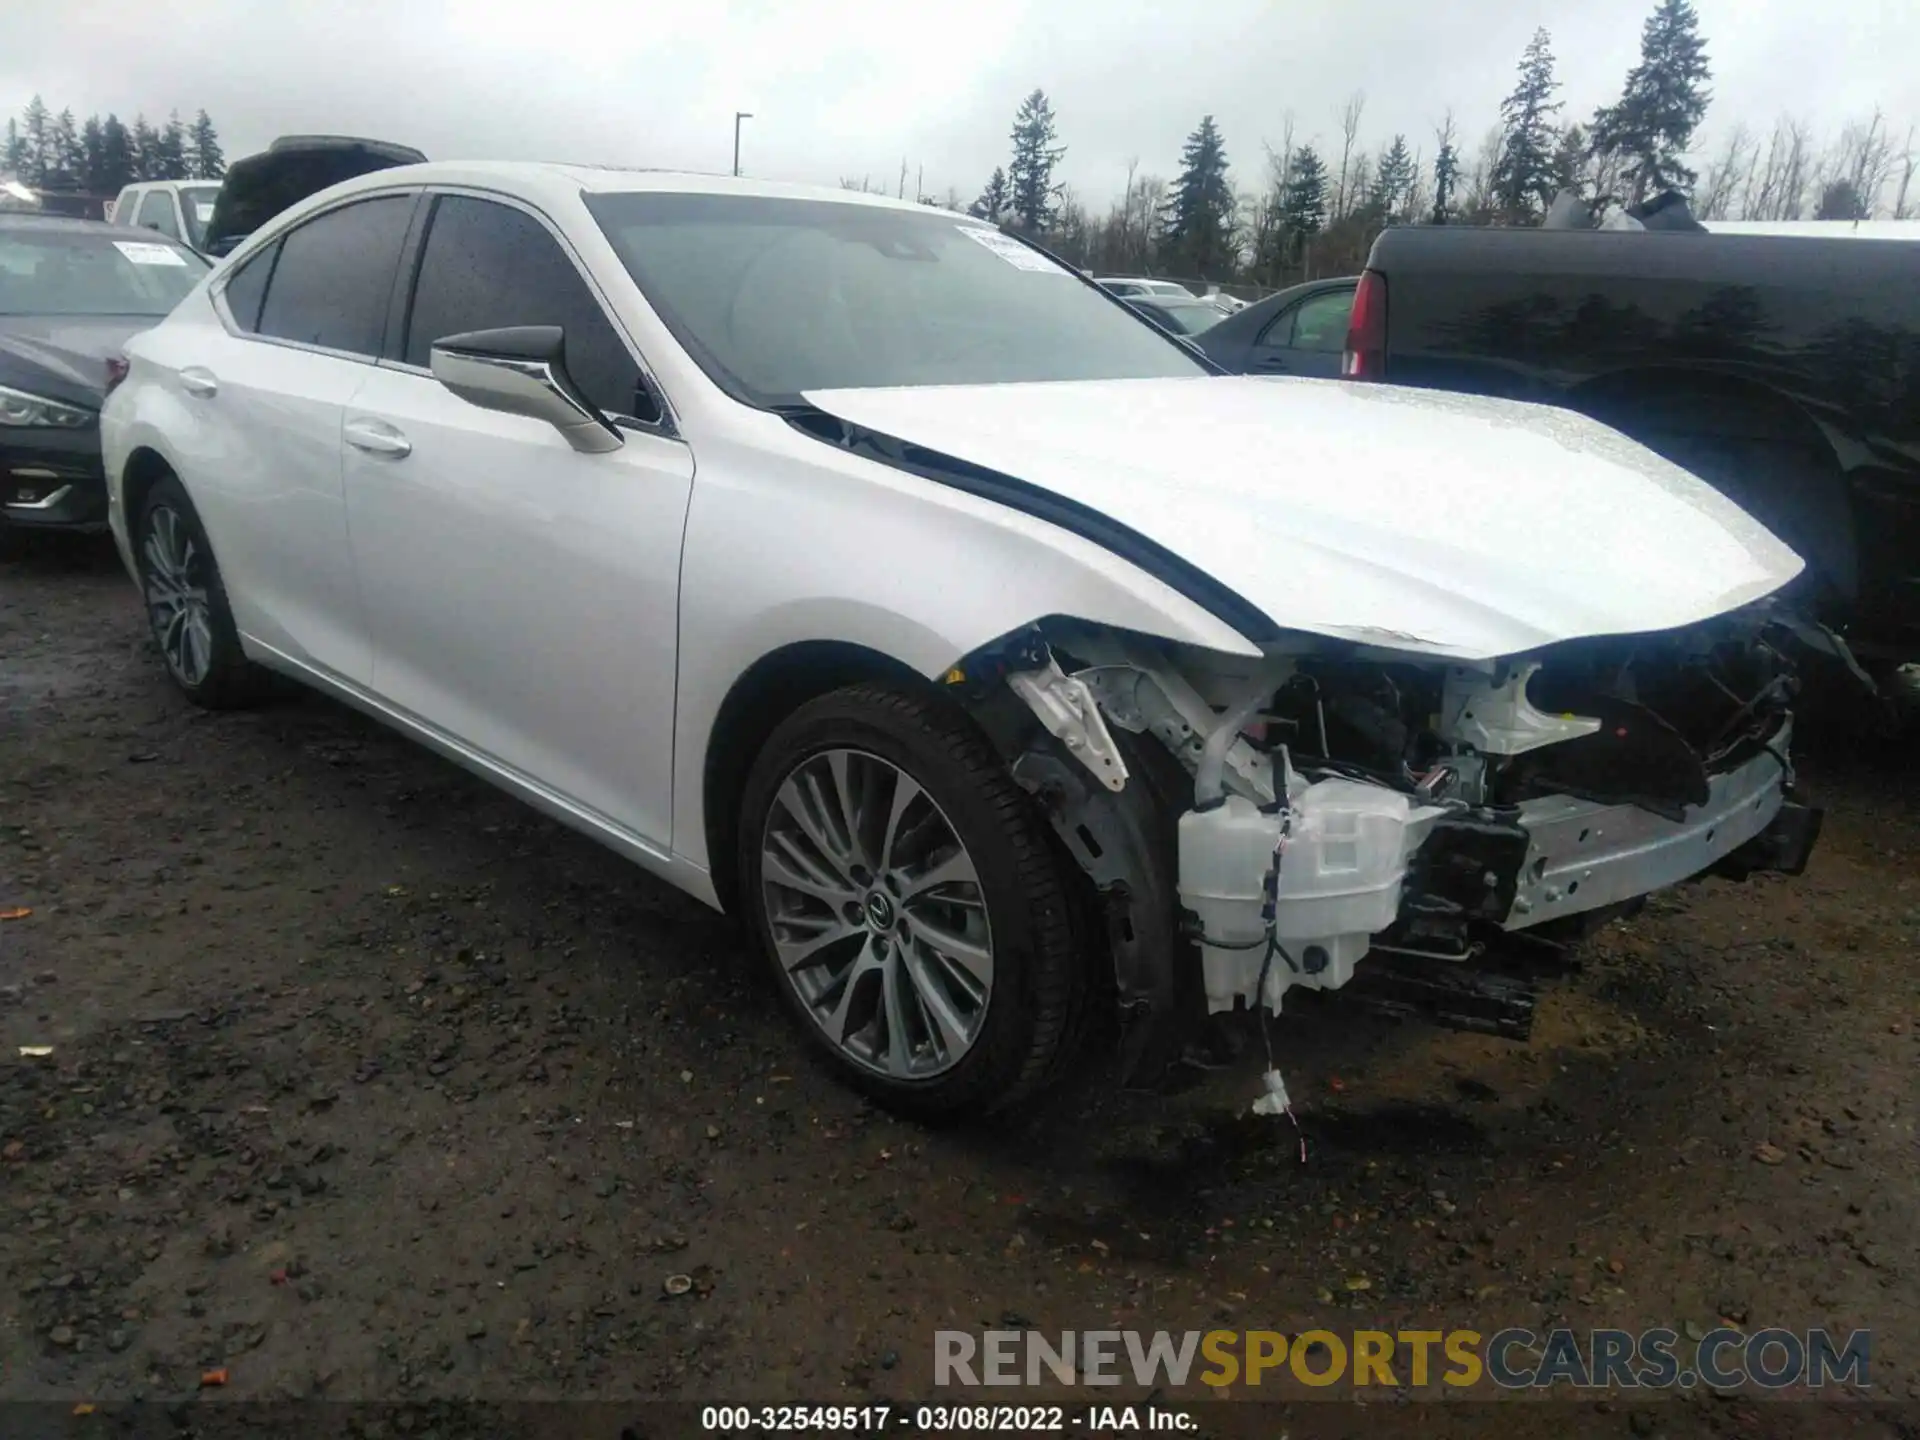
pixel 907 900
pixel 187 606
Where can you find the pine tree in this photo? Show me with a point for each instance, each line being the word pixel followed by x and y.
pixel 172 150
pixel 15 159
pixel 1570 160
pixel 1197 230
pixel 1523 178
pixel 1651 125
pixel 1393 178
pixel 118 167
pixel 35 159
pixel 145 142
pixel 1840 201
pixel 93 173
pixel 993 201
pixel 64 143
pixel 1030 174
pixel 205 157
pixel 1303 205
pixel 1446 174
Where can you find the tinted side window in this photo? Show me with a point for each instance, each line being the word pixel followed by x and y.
pixel 487 266
pixel 335 276
pixel 156 213
pixel 248 287
pixel 1321 323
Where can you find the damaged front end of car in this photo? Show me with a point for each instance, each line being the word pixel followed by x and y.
pixel 1255 825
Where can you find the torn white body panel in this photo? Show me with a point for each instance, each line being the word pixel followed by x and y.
pixel 1425 523
pixel 1499 719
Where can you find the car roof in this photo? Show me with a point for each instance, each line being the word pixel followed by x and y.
pixel 1249 320
pixel 550 176
pixel 59 224
pixel 1175 301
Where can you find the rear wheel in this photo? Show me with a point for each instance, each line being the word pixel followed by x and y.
pixel 186 603
pixel 909 904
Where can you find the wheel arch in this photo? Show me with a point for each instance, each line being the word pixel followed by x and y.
pixel 1652 402
pixel 765 694
pixel 144 469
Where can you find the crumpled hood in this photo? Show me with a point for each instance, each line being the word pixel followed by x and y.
pixel 1410 519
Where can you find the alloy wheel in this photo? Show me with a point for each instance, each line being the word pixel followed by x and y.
pixel 177 601
pixel 877 914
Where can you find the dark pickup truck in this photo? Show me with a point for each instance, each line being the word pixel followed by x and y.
pixel 1783 370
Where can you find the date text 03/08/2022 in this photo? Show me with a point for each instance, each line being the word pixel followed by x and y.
pixel 945 1419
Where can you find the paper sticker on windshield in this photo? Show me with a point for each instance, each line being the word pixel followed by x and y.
pixel 142 253
pixel 1010 250
pixel 203 210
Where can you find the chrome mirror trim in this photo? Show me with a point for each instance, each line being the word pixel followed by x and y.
pixel 516 386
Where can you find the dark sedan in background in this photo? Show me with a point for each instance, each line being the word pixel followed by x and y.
pixel 1183 317
pixel 1297 331
pixel 71 292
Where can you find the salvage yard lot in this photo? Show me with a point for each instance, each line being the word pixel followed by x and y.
pixel 368 1081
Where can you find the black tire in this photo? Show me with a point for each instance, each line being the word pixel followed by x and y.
pixel 13 542
pixel 228 680
pixel 1039 972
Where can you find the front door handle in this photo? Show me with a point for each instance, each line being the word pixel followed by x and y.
pixel 197 380
pixel 376 437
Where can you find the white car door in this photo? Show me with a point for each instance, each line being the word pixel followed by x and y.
pixel 304 320
pixel 522 596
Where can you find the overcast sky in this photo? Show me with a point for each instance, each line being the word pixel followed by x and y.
pixel 850 87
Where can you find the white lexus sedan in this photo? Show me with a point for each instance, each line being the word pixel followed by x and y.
pixel 862 571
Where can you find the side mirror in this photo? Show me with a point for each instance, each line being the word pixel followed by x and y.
pixel 522 371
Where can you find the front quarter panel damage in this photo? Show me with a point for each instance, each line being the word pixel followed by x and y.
pixel 1321 802
pixel 828 547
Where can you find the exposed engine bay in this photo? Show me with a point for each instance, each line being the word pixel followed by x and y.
pixel 1292 814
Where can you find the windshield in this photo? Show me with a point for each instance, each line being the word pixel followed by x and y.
pixel 77 272
pixel 196 204
pixel 775 297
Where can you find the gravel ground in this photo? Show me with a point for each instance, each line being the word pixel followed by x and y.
pixel 368 1082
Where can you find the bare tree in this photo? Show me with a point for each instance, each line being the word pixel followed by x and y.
pixel 1280 161
pixel 1126 202
pixel 1072 236
pixel 1477 196
pixel 1776 188
pixel 1149 196
pixel 1904 203
pixel 1863 158
pixel 1350 114
pixel 1123 242
pixel 1414 206
pixel 1714 198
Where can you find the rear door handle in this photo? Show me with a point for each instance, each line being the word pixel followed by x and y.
pixel 197 380
pixel 376 437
